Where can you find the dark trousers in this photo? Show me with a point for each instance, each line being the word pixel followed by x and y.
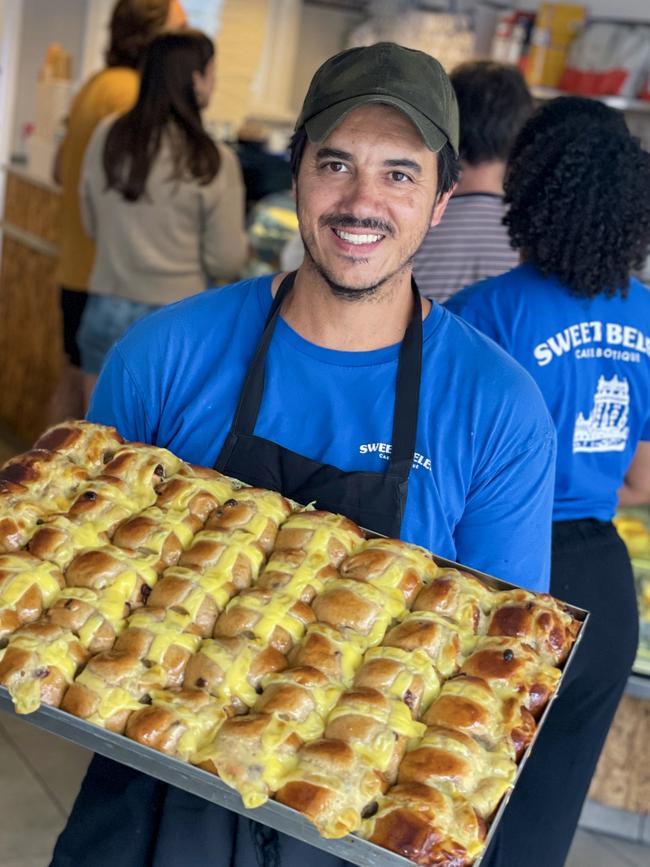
pixel 591 569
pixel 123 818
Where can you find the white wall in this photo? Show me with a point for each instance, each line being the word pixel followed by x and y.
pixel 10 29
pixel 44 21
pixel 322 34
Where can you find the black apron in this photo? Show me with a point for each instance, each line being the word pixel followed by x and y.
pixel 126 818
pixel 374 500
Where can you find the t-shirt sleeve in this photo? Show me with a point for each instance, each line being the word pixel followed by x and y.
pixel 506 527
pixel 645 433
pixel 117 400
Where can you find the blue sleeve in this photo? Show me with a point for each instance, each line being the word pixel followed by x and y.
pixel 118 400
pixel 506 527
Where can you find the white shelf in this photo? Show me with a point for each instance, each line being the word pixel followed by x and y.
pixel 622 103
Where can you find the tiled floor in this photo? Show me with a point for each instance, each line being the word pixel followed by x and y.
pixel 40 775
pixel 39 779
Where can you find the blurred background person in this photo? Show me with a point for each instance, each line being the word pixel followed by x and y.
pixel 163 202
pixel 578 191
pixel 133 25
pixel 471 241
pixel 265 173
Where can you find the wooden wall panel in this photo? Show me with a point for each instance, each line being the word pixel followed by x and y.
pixel 32 208
pixel 622 779
pixel 30 337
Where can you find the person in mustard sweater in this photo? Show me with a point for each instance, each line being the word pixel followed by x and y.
pixel 134 23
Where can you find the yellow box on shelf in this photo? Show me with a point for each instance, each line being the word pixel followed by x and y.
pixel 556 26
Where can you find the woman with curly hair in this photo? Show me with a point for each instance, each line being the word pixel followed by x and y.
pixel 578 187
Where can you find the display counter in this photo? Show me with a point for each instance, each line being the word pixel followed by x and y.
pixel 30 327
pixel 620 791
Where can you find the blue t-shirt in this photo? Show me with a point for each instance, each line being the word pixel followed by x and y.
pixel 480 490
pixel 591 359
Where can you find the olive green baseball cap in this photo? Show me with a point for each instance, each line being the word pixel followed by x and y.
pixel 386 73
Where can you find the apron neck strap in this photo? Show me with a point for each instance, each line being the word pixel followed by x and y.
pixel 407 392
pixel 252 392
pixel 407 388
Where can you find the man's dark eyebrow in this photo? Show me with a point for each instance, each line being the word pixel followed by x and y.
pixel 332 153
pixel 403 163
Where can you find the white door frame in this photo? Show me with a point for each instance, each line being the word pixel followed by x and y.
pixel 11 20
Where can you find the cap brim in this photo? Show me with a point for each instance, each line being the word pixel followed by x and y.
pixel 321 125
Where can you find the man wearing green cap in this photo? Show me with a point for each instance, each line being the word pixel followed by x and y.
pixel 338 385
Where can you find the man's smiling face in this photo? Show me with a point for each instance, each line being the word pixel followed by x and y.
pixel 366 198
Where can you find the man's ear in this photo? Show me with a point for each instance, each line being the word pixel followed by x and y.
pixel 441 206
pixel 294 189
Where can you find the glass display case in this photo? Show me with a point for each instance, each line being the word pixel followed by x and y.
pixel 634 528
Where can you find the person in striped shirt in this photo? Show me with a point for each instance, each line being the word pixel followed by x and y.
pixel 471 241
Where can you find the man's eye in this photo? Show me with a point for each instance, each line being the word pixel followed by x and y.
pixel 337 167
pixel 400 177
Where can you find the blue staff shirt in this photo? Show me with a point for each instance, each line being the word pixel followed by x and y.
pixel 480 490
pixel 591 359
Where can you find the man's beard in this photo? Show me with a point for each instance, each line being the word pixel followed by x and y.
pixel 341 290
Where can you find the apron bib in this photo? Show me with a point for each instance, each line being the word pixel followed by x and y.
pixel 376 501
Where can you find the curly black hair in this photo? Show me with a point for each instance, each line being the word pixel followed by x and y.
pixel 578 191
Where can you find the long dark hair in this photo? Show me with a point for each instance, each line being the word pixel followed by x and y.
pixel 134 23
pixel 166 102
pixel 578 187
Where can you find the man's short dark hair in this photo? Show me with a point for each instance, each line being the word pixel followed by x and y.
pixel 448 168
pixel 494 102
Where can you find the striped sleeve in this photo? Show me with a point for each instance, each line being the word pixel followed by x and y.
pixel 470 243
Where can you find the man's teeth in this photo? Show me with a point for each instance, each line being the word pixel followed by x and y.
pixel 357 239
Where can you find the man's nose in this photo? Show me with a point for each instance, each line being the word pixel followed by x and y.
pixel 362 197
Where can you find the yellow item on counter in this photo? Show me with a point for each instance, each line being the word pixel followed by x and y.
pixel 635 534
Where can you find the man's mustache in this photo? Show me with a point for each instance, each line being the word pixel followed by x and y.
pixel 349 221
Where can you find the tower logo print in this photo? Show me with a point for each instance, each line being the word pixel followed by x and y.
pixel 606 428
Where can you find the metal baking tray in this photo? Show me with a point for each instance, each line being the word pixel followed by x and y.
pixel 206 785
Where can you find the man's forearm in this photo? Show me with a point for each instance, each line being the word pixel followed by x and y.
pixel 629 496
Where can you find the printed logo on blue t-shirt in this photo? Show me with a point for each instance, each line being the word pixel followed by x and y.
pixel 383 451
pixel 584 337
pixel 606 428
